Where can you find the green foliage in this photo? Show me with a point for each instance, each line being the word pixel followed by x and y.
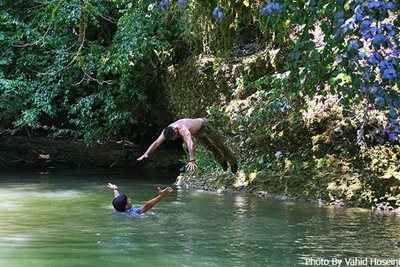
pixel 95 68
pixel 204 160
pixel 69 68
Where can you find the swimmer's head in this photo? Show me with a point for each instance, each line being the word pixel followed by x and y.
pixel 122 203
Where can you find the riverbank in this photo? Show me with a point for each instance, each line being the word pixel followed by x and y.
pixel 19 152
pixel 222 182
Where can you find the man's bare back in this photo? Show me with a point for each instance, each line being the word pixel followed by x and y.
pixel 183 128
pixel 193 125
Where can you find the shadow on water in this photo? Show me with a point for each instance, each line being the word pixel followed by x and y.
pixel 65 218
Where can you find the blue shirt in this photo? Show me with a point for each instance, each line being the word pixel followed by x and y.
pixel 134 211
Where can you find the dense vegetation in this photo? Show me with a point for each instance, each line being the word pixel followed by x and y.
pixel 308 91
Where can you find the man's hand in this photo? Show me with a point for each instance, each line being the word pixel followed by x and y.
pixel 165 191
pixel 191 165
pixel 145 156
pixel 112 186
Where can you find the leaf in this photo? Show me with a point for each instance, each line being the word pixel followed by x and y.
pixel 55 11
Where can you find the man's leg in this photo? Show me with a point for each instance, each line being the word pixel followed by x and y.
pixel 216 153
pixel 217 140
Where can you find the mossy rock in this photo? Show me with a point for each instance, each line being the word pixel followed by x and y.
pixel 190 89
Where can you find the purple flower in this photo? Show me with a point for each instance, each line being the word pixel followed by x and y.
pixel 367 75
pixel 387 64
pixel 393 137
pixel 270 8
pixel 374 59
pixel 390 74
pixel 390 30
pixel 339 59
pixel 374 4
pixel 349 24
pixel 163 5
pixel 396 42
pixel 265 11
pixel 354 45
pixel 371 89
pixel 379 39
pixel 390 6
pixel 368 33
pixel 276 7
pixel 358 17
pixel 365 24
pixel 218 13
pixel 395 128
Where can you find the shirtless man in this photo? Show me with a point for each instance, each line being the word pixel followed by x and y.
pixel 205 133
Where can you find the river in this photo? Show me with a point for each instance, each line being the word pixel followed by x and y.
pixel 65 218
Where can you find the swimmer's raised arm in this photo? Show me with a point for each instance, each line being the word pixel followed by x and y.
pixel 114 188
pixel 161 194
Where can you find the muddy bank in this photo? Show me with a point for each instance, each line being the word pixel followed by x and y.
pixel 24 152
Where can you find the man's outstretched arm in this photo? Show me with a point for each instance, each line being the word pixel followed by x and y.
pixel 161 194
pixel 152 147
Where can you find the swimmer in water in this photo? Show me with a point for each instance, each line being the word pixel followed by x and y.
pixel 123 203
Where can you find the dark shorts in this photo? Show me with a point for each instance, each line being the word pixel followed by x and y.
pixel 214 141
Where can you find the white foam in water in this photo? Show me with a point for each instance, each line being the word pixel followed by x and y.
pixel 7 205
pixel 6 194
pixel 62 194
pixel 15 239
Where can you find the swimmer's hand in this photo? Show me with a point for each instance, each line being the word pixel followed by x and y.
pixel 114 189
pixel 112 186
pixel 165 191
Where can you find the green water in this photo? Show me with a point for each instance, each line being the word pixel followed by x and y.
pixel 66 219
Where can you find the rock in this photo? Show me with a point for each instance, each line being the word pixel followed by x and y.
pixel 338 203
pixel 262 194
pixel 322 202
pixel 221 190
